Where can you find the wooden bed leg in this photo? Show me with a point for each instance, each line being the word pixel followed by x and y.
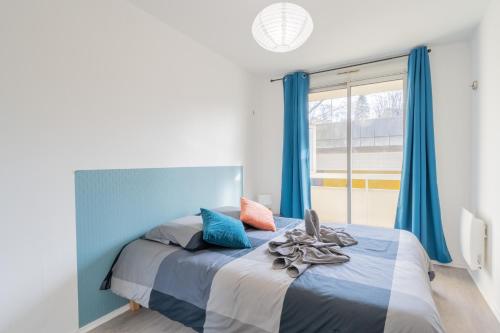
pixel 133 306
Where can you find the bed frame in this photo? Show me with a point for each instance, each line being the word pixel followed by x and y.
pixel 133 306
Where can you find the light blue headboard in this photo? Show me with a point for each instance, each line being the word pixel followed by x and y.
pixel 114 207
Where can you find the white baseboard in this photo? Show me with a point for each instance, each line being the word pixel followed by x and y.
pixel 489 300
pixel 496 312
pixel 103 319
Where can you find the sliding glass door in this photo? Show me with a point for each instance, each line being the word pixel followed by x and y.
pixel 328 113
pixel 356 143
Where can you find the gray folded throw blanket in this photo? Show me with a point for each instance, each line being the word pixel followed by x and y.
pixel 298 249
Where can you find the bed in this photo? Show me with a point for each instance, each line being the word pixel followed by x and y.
pixel 385 287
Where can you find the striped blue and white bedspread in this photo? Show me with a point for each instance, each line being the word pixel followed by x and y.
pixel 383 288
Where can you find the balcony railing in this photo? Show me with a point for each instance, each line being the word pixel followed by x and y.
pixel 373 201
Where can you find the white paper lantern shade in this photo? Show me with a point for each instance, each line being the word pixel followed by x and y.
pixel 282 27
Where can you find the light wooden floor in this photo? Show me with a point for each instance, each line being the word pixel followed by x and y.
pixel 461 306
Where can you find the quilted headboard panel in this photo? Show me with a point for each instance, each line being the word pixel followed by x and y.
pixel 114 207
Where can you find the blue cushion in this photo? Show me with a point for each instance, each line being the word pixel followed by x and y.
pixel 223 230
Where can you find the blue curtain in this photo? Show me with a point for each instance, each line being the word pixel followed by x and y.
pixel 418 207
pixel 295 179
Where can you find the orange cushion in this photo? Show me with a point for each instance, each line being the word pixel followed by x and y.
pixel 256 215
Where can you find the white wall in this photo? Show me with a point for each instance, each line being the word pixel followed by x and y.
pixel 268 141
pixel 94 84
pixel 451 74
pixel 485 147
pixel 451 79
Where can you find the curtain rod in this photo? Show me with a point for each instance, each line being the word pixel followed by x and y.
pixel 353 65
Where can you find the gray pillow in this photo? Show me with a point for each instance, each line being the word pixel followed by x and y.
pixel 233 212
pixel 229 211
pixel 186 231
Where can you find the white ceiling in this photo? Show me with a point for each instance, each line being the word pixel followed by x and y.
pixel 344 30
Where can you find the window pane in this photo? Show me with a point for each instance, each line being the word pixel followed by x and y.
pixel 328 148
pixel 377 151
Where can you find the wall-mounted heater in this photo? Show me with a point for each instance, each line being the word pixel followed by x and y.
pixel 472 239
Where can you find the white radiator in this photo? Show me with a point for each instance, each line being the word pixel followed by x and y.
pixel 472 239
